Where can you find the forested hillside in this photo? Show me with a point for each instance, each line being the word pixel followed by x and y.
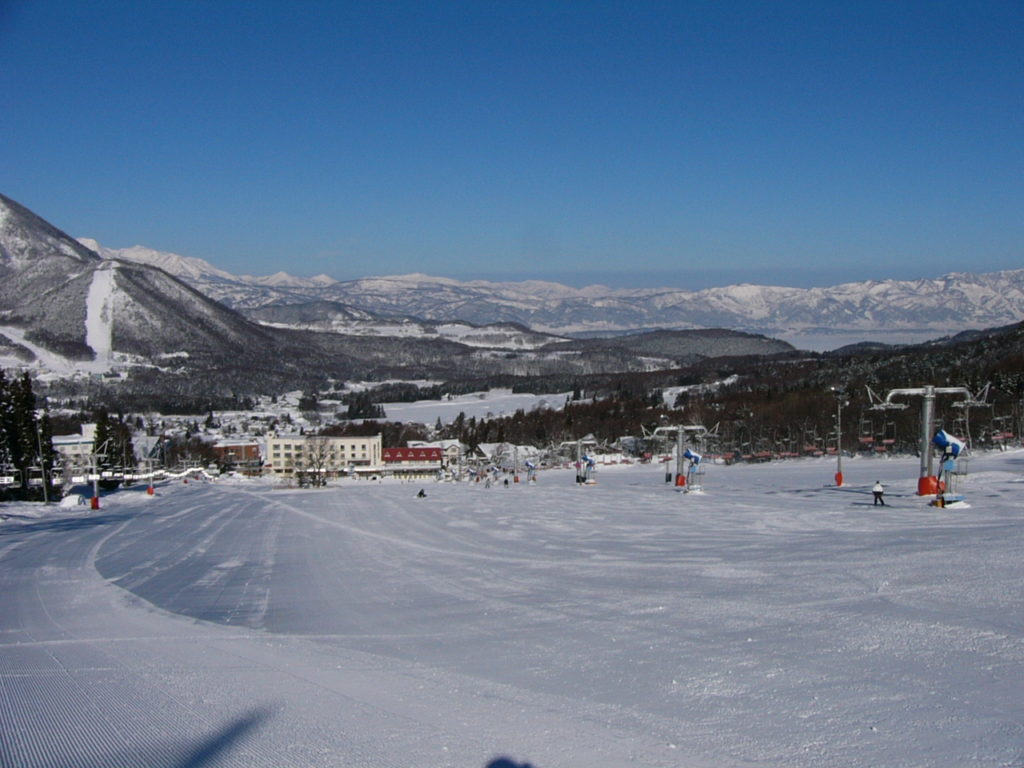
pixel 784 404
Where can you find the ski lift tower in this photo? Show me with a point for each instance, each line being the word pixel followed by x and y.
pixel 683 453
pixel 584 464
pixel 94 475
pixel 840 393
pixel 928 481
pixel 674 432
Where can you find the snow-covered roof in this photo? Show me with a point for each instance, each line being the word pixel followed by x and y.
pixel 444 445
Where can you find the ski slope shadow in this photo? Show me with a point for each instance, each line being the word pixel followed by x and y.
pixel 212 750
pixel 208 751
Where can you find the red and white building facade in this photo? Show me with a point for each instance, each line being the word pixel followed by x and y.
pixel 413 463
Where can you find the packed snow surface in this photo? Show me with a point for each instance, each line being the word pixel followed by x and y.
pixel 51 361
pixel 771 621
pixel 99 317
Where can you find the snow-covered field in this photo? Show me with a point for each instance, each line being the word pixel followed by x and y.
pixel 491 404
pixel 771 621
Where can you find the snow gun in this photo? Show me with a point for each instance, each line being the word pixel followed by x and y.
pixel 530 465
pixel 951 446
pixel 692 457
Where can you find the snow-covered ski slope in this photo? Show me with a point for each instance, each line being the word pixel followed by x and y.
pixel 771 621
pixel 99 314
pixel 494 403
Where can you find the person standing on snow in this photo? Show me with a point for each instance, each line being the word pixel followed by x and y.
pixel 878 490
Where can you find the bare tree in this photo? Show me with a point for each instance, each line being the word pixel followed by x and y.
pixel 317 457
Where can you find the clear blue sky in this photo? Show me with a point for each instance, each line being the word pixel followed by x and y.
pixel 634 143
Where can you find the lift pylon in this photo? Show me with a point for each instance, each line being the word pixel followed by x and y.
pixel 683 454
pixel 928 481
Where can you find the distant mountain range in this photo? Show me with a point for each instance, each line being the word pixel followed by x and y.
pixel 887 310
pixel 68 309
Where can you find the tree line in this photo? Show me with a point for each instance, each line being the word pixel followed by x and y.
pixel 27 456
pixel 779 405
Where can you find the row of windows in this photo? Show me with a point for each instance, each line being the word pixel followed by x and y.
pixel 331 453
pixel 299 446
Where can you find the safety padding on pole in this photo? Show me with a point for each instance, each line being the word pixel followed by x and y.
pixel 927 486
pixel 680 481
pixel 94 502
pixel 839 479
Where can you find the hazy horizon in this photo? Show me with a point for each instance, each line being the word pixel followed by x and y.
pixel 694 278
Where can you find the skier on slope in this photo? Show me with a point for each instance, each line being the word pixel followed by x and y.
pixel 878 490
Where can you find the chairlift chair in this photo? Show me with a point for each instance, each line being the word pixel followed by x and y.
pixel 10 478
pixel 36 477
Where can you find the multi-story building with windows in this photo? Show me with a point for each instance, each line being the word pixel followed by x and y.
pixel 293 455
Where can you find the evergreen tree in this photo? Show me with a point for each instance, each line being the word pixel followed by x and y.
pixel 102 439
pixel 112 444
pixel 24 438
pixel 361 406
pixel 26 444
pixel 6 423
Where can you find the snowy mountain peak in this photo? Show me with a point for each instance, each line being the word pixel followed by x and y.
pixel 26 238
pixel 197 270
pixel 284 280
pixel 184 267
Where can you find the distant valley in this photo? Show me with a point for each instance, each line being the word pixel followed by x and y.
pixel 151 322
pixel 161 323
pixel 888 311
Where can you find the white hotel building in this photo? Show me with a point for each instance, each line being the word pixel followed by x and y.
pixel 291 454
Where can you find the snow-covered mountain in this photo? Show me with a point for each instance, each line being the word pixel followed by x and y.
pixel 933 306
pixel 235 291
pixel 182 267
pixel 67 310
pixel 285 301
pixel 886 310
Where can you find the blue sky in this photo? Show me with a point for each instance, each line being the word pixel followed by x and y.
pixel 634 144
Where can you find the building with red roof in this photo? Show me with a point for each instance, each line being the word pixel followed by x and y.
pixel 413 462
